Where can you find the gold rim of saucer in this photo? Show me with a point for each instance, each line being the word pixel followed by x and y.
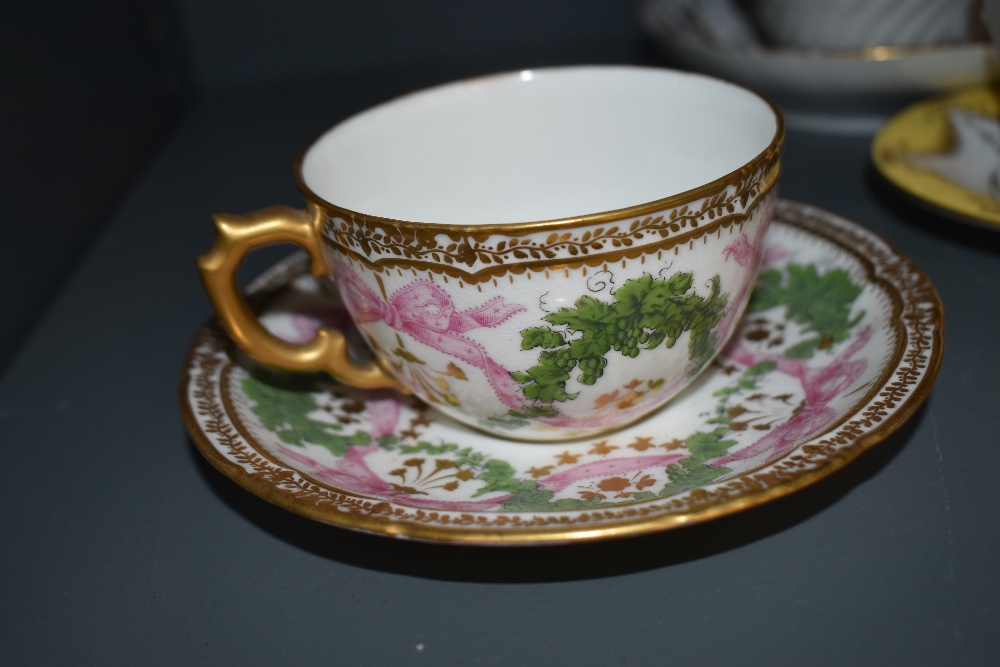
pixel 769 155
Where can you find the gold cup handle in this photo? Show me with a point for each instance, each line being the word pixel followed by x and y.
pixel 236 236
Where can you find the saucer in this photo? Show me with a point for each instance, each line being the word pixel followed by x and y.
pixel 828 91
pixel 945 152
pixel 841 343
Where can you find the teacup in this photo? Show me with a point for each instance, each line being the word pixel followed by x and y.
pixel 542 255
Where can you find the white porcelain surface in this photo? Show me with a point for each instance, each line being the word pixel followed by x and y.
pixel 974 162
pixel 538 145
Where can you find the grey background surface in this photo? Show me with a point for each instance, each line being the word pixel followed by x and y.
pixel 233 42
pixel 90 90
pixel 122 546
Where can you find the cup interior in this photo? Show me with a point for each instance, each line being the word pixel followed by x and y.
pixel 539 145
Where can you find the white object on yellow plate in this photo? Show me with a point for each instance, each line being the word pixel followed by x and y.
pixel 973 161
pixel 945 152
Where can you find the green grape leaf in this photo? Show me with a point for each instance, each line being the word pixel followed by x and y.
pixel 704 446
pixel 588 315
pixel 499 476
pixel 821 304
pixel 541 337
pixel 286 414
pixel 428 448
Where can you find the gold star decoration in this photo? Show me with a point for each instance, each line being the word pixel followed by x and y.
pixel 602 447
pixel 642 444
pixel 420 420
pixel 539 472
pixel 566 458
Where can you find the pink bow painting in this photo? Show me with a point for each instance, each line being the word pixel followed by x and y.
pixel 821 386
pixel 426 312
pixel 747 255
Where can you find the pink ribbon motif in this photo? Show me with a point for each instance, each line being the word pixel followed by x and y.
pixel 425 311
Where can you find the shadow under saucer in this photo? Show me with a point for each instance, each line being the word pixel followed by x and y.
pixel 568 562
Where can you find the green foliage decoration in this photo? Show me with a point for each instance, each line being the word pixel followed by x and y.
pixel 527 495
pixel 286 413
pixel 644 313
pixel 428 448
pixel 514 419
pixel 819 303
pixel 693 471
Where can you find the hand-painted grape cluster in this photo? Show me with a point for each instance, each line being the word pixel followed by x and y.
pixel 644 313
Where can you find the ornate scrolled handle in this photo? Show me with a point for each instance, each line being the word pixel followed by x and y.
pixel 236 236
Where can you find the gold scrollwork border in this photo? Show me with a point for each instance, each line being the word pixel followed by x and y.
pixel 919 357
pixel 557 251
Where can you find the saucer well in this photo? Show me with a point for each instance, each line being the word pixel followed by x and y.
pixel 945 153
pixel 841 343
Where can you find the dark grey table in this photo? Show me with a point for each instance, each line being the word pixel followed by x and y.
pixel 121 546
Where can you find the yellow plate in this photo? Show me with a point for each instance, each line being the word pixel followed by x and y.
pixel 925 128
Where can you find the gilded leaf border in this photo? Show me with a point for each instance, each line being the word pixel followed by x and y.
pixel 478 256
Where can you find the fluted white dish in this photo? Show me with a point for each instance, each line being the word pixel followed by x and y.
pixel 860 24
pixel 841 91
